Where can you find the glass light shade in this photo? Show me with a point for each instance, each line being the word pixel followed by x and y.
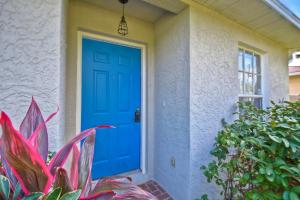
pixel 123 28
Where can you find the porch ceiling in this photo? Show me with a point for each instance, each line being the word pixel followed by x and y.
pixel 174 6
pixel 267 17
pixel 135 8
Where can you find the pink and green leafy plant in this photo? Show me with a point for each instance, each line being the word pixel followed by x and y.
pixel 25 171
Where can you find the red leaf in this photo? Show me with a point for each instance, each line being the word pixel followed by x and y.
pixel 61 156
pixel 26 164
pixel 105 126
pixel 104 195
pixel 7 171
pixel 33 119
pixel 111 183
pixel 62 181
pixel 134 192
pixel 2 172
pixel 37 138
pixel 123 188
pixel 74 167
pixel 85 165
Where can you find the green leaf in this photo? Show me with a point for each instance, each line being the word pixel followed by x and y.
pixel 295 170
pixel 259 179
pixel 261 154
pixel 294 147
pixel 4 187
pixel 279 162
pixel 293 196
pixel 296 138
pixel 256 196
pixel 269 170
pixel 262 170
pixel 286 142
pixel 204 197
pixel 296 189
pixel 33 196
pixel 275 138
pixel 270 174
pixel 271 195
pixel 17 191
pixel 284 126
pixel 271 178
pixel 284 182
pixel 54 194
pixel 71 195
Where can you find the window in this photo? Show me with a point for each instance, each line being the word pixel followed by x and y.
pixel 250 77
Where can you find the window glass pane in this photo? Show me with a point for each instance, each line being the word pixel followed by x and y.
pixel 257 85
pixel 241 82
pixel 248 83
pixel 250 77
pixel 254 65
pixel 257 64
pixel 245 99
pixel 254 83
pixel 241 60
pixel 255 101
pixel 248 62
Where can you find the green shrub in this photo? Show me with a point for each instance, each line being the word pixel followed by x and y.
pixel 258 156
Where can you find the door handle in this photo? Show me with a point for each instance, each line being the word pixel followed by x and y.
pixel 137 115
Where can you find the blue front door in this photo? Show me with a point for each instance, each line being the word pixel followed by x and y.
pixel 111 94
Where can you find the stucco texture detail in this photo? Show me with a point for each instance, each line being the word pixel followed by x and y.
pixel 214 86
pixel 172 103
pixel 31 58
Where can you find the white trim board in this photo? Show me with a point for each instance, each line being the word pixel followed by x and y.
pixel 294 74
pixel 105 38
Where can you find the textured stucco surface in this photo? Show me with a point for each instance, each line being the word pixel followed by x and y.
pixel 172 103
pixel 214 42
pixel 31 59
pixel 95 19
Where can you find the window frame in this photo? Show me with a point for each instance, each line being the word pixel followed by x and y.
pixel 245 95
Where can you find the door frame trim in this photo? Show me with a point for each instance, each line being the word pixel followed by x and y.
pixel 122 42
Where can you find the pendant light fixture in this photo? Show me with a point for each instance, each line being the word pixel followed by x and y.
pixel 123 28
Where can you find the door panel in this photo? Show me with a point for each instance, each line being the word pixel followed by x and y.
pixel 111 93
pixel 101 91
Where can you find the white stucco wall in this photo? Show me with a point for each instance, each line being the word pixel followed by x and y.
pixel 32 60
pixel 172 103
pixel 214 86
pixel 95 19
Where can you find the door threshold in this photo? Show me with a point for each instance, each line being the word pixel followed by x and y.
pixel 137 176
